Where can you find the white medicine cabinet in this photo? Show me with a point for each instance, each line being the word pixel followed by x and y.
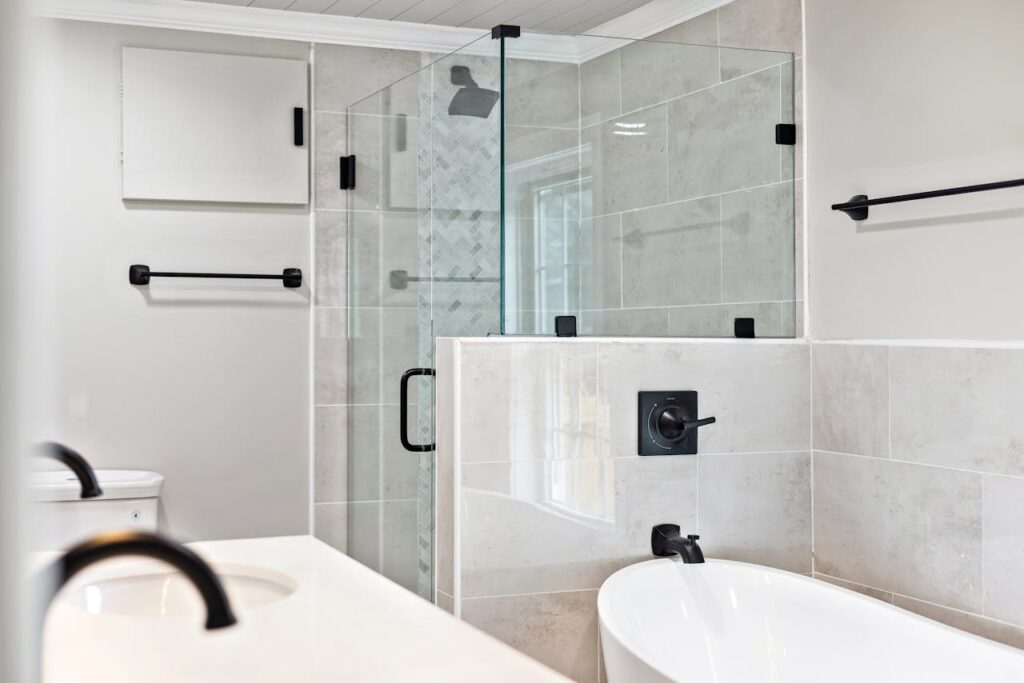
pixel 214 128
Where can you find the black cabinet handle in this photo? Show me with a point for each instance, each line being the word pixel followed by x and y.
pixel 403 410
pixel 299 126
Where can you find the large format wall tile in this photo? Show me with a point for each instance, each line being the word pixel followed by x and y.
pixel 721 139
pixel 1004 549
pixel 557 629
pixel 851 398
pixel 972 623
pixel 628 158
pixel 760 392
pixel 654 72
pixel 627 322
pixel 719 320
pixel 599 89
pixel 535 92
pixel 530 527
pixel 909 529
pixel 757 244
pixel 762 24
pixel 331 251
pixel 959 407
pixel 601 254
pixel 330 445
pixel 330 524
pixel 331 144
pixel 756 507
pixel 365 143
pixel 518 404
pixel 364 358
pixel 330 356
pixel 671 255
pixel 340 83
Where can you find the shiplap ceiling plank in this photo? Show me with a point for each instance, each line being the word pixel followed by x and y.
pixel 350 8
pixel 464 12
pixel 311 6
pixel 272 4
pixel 425 10
pixel 505 12
pixel 578 14
pixel 618 10
pixel 387 9
pixel 548 15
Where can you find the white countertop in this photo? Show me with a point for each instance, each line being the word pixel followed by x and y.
pixel 343 623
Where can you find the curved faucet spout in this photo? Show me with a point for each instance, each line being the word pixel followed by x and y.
pixel 117 543
pixel 74 462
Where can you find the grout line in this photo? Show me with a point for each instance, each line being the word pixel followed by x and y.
pixel 923 464
pixel 888 397
pixel 697 198
pixel 810 426
pixel 523 595
pixel 542 461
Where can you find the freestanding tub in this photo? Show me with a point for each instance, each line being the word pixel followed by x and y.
pixel 732 622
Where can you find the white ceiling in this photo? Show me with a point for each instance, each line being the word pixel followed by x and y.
pixel 563 16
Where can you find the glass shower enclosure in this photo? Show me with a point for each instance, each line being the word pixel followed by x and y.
pixel 637 185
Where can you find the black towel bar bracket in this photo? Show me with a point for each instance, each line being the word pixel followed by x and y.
pixel 140 275
pixel 857 207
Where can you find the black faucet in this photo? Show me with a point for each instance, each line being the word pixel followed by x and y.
pixel 74 462
pixel 666 541
pixel 116 543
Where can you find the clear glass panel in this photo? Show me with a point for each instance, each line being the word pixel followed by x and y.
pixel 423 261
pixel 644 190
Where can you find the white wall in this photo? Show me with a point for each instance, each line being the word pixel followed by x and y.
pixel 206 382
pixel 902 97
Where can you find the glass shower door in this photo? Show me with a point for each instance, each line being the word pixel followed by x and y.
pixel 423 262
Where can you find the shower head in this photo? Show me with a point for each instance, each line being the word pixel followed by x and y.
pixel 470 99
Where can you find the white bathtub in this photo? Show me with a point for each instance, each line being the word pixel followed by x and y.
pixel 732 622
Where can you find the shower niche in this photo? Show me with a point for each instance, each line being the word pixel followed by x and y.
pixel 637 185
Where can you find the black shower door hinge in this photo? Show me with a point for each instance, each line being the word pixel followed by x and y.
pixel 785 134
pixel 347 172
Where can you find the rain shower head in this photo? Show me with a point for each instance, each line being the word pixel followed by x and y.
pixel 470 99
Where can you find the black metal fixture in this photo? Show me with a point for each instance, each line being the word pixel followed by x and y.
pixel 400 279
pixel 299 126
pixel 470 99
pixel 667 541
pixel 857 207
pixel 403 410
pixel 505 31
pixel 118 543
pixel 347 172
pixel 668 423
pixel 74 461
pixel 743 328
pixel 785 134
pixel 565 326
pixel 140 275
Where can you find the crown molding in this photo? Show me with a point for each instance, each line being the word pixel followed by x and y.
pixel 213 17
pixel 654 17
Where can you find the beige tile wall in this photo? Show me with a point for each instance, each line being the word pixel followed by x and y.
pixel 546 496
pixel 919 478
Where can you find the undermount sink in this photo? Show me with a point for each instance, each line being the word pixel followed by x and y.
pixel 159 593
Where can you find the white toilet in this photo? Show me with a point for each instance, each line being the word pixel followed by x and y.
pixel 129 501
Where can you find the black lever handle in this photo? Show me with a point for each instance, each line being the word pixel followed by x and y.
pixel 698 423
pixel 403 410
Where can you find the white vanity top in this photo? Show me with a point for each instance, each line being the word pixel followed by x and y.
pixel 343 623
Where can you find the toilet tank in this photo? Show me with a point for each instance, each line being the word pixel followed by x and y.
pixel 60 518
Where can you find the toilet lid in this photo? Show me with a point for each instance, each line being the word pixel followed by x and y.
pixel 62 485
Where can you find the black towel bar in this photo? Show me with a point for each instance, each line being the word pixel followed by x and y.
pixel 857 207
pixel 140 275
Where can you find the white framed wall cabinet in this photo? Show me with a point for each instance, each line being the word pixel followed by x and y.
pixel 214 128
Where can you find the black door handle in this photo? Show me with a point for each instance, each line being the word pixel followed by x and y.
pixel 403 411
